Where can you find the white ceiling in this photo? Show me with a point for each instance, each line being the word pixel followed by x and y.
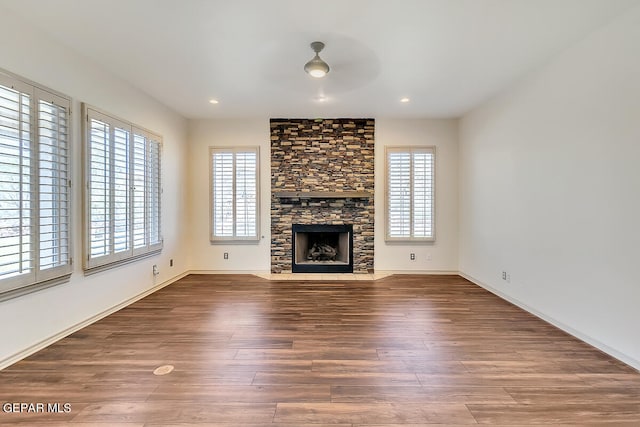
pixel 447 56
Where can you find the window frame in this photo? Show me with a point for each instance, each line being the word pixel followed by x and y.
pixel 411 150
pixel 114 258
pixel 214 239
pixel 39 278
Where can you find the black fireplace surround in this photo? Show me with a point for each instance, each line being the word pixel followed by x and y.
pixel 320 248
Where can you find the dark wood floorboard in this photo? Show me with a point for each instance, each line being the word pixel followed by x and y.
pixel 401 351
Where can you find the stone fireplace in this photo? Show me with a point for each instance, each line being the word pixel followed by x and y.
pixel 322 173
pixel 321 248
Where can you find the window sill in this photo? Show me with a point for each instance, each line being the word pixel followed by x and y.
pixel 114 264
pixel 232 241
pixel 24 290
pixel 409 241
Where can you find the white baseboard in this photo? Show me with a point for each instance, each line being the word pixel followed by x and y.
pixel 378 274
pixel 52 339
pixel 382 272
pixel 426 272
pixel 571 331
pixel 252 272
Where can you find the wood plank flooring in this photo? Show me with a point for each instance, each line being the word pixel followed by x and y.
pixel 401 351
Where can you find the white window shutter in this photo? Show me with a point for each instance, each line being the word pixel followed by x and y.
pixel 399 194
pixel 124 174
pixel 139 170
pixel 54 242
pixel 246 192
pixel 422 170
pixel 410 193
pixel 146 191
pixel 154 218
pixel 17 215
pixel 120 185
pixel 223 194
pixel 100 212
pixel 234 193
pixel 35 233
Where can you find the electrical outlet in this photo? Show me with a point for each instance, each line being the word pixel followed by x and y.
pixel 155 270
pixel 171 262
pixel 428 257
pixel 504 275
pixel 226 255
pixel 412 256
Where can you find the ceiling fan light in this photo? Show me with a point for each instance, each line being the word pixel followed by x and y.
pixel 318 74
pixel 317 67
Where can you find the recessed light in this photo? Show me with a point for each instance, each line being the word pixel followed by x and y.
pixel 404 100
pixel 213 101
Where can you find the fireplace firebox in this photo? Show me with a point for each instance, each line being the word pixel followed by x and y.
pixel 320 248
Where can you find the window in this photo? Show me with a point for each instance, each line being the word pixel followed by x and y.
pixel 234 193
pixel 123 191
pixel 410 193
pixel 35 240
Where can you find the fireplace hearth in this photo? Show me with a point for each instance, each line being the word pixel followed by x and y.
pixel 320 248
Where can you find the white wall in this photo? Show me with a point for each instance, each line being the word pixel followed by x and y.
pixel 244 257
pixel 389 257
pixel 32 319
pixel 550 190
pixel 441 255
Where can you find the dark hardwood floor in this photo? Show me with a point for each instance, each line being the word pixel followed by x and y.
pixel 401 351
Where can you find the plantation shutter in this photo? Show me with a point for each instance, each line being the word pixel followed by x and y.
pixel 154 193
pixel 246 206
pixel 54 243
pixel 234 198
pixel 17 210
pixel 399 193
pixel 146 190
pixel 99 150
pixel 223 194
pixel 120 194
pixel 422 172
pixel 410 193
pixel 124 190
pixel 34 186
pixel 139 166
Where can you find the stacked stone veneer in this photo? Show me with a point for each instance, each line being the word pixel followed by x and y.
pixel 322 155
